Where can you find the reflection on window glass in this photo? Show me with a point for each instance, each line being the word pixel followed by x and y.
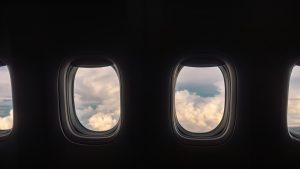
pixel 6 107
pixel 293 115
pixel 199 98
pixel 97 98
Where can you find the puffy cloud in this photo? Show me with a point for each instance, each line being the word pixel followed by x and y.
pixel 97 97
pixel 198 108
pixel 200 114
pixel 101 121
pixel 6 122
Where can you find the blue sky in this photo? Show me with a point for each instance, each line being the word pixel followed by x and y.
pixel 6 115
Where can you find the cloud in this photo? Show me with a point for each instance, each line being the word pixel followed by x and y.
pixel 199 114
pixel 6 122
pixel 101 121
pixel 97 97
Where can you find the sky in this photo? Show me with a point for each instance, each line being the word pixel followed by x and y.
pixel 293 115
pixel 6 108
pixel 97 97
pixel 199 98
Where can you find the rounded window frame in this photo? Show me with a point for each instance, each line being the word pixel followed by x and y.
pixel 72 128
pixel 5 134
pixel 224 130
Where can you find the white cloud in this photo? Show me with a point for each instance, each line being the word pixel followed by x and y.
pixel 6 122
pixel 196 113
pixel 97 97
pixel 102 121
pixel 200 98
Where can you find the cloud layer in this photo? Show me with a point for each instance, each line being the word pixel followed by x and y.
pixel 97 98
pixel 199 114
pixel 194 112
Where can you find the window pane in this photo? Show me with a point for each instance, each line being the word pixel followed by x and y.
pixel 293 115
pixel 199 98
pixel 97 97
pixel 6 107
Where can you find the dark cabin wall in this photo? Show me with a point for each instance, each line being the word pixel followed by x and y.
pixel 146 39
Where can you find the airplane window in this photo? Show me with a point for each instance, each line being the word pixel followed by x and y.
pixel 293 113
pixel 90 99
pixel 97 98
pixel 199 98
pixel 6 105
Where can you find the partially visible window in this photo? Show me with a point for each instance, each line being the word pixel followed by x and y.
pixel 199 98
pixel 97 98
pixel 6 105
pixel 293 113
